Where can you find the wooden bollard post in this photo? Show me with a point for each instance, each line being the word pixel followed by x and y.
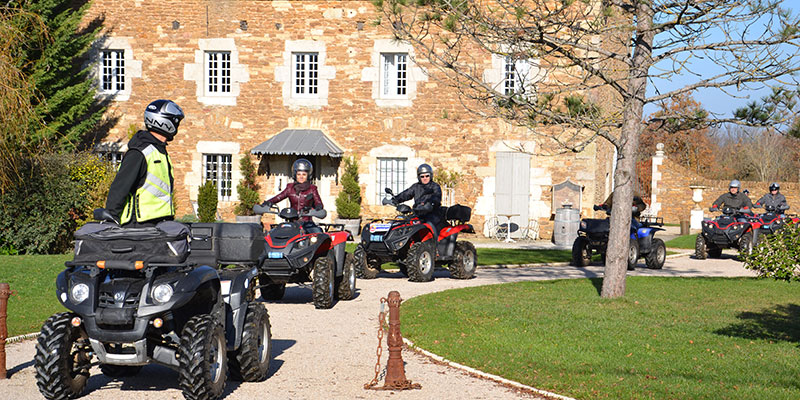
pixel 395 370
pixel 5 291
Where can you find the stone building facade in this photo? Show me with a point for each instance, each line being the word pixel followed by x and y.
pixel 244 71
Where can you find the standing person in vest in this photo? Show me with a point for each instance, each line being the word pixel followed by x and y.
pixel 141 194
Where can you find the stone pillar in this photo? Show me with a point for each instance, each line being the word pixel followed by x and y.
pixel 655 177
pixel 696 218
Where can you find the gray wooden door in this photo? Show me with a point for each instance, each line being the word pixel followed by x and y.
pixel 512 188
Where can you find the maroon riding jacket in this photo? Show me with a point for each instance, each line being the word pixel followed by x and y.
pixel 297 198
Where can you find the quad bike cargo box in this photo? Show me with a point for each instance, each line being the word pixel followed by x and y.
pixel 226 243
pixel 166 243
pixel 457 213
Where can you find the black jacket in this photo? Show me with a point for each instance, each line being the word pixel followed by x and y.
pixel 736 201
pixel 778 201
pixel 422 195
pixel 132 172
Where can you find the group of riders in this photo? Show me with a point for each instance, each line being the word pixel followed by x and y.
pixel 141 193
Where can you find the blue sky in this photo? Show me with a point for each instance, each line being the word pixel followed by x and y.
pixel 701 66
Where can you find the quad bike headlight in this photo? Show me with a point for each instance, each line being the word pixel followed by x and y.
pixel 80 292
pixel 583 225
pixel 162 293
pixel 302 243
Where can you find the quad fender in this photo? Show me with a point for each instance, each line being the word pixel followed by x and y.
pixel 185 289
pixel 454 230
pixel 235 286
pixel 338 257
pixel 72 276
pixel 424 233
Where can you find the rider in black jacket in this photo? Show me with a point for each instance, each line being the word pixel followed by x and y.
pixel 733 199
pixel 427 196
pixel 773 199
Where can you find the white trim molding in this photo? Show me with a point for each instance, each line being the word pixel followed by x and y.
pixel 133 67
pixel 197 72
pixel 194 178
pixel 326 73
pixel 373 73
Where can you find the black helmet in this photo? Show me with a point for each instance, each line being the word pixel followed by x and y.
pixel 774 186
pixel 302 165
pixel 424 169
pixel 163 117
pixel 735 184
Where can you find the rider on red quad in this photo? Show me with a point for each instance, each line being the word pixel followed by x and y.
pixel 427 196
pixel 733 199
pixel 301 193
pixel 773 199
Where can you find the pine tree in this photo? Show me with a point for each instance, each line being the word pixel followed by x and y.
pixel 247 187
pixel 65 98
pixel 348 203
pixel 207 202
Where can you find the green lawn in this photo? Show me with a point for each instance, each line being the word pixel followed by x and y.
pixel 34 280
pixel 682 242
pixel 676 338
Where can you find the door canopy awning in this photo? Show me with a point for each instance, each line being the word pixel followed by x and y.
pixel 299 142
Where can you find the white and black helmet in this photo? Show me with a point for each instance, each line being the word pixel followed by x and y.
pixel 302 165
pixel 774 186
pixel 163 117
pixel 424 169
pixel 735 184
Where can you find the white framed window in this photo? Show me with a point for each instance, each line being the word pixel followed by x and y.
pixel 114 158
pixel 112 74
pixel 217 168
pixel 515 75
pixel 391 174
pixel 218 72
pixel 394 75
pixel 305 74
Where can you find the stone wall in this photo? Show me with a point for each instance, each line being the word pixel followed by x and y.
pixel 675 197
pixel 168 39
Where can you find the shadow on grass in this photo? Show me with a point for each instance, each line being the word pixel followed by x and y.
pixel 778 323
pixel 598 285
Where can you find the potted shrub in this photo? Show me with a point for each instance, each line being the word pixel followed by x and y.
pixel 348 203
pixel 248 193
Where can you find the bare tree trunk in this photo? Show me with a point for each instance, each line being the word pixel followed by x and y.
pixel 633 108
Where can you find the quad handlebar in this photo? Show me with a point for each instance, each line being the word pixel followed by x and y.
pixel 289 213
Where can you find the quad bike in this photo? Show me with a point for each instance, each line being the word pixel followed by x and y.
pixel 593 236
pixel 294 253
pixel 772 220
pixel 409 242
pixel 735 228
pixel 134 298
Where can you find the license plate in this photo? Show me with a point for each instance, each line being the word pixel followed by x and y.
pixel 275 254
pixel 379 228
pixel 375 238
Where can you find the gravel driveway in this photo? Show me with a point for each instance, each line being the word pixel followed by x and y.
pixel 330 354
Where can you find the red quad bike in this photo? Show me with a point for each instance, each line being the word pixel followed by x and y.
pixel 408 241
pixel 733 229
pixel 294 255
pixel 773 220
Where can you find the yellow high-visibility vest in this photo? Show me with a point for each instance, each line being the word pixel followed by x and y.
pixel 154 199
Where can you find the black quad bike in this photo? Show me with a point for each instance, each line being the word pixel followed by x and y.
pixel 135 297
pixel 298 253
pixel 735 228
pixel 593 236
pixel 409 242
